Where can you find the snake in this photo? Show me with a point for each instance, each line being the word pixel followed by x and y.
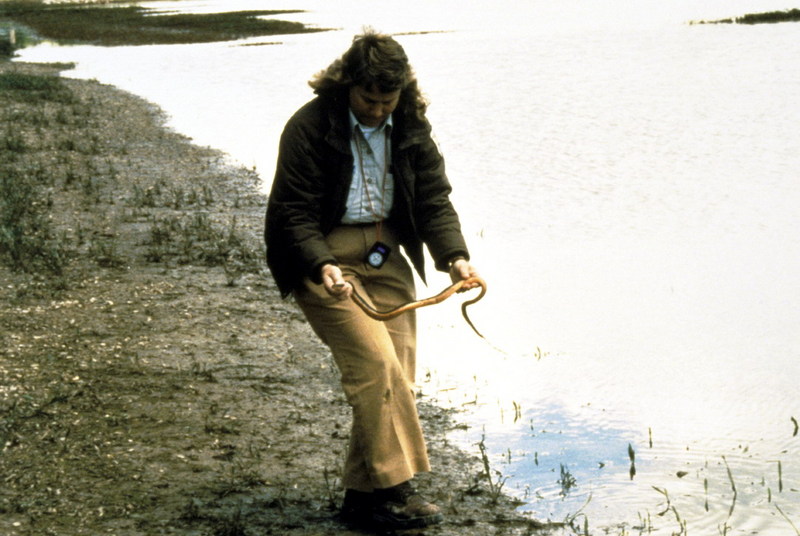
pixel 438 298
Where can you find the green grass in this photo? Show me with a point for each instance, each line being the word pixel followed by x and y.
pixel 6 49
pixel 31 88
pixel 134 25
pixel 27 240
pixel 769 17
pixel 790 15
pixel 194 239
pixel 47 149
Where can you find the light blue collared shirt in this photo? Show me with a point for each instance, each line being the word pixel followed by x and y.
pixel 369 199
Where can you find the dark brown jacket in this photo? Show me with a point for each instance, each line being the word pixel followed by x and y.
pixel 312 180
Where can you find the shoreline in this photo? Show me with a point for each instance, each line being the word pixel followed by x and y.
pixel 159 384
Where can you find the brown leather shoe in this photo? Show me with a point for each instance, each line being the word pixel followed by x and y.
pixel 357 509
pixel 401 507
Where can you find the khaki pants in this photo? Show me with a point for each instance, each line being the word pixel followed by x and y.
pixel 376 360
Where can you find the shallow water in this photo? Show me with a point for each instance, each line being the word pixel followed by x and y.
pixel 628 186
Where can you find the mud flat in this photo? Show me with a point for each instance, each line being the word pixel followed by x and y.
pixel 152 381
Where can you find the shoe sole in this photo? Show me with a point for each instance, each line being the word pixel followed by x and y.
pixel 395 523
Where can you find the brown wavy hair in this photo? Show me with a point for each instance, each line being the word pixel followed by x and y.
pixel 374 60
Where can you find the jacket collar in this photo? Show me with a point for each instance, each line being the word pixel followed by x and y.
pixel 405 132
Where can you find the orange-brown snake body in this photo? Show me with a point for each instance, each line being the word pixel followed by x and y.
pixel 443 295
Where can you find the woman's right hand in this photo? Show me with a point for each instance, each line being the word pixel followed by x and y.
pixel 462 269
pixel 334 282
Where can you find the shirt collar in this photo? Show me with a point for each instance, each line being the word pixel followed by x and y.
pixel 354 122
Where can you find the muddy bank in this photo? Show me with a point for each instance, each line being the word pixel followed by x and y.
pixel 154 382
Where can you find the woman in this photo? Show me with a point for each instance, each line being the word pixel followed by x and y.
pixel 358 178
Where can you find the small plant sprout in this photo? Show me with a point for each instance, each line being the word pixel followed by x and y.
pixel 733 487
pixel 495 486
pixel 632 456
pixel 781 512
pixel 567 480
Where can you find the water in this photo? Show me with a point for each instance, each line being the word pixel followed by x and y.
pixel 628 186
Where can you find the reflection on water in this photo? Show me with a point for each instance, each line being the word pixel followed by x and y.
pixel 628 186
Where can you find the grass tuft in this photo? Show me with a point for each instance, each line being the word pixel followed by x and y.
pixel 27 240
pixel 32 88
pixel 495 485
pixel 195 239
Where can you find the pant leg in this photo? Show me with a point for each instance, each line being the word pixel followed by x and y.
pixel 387 291
pixel 376 361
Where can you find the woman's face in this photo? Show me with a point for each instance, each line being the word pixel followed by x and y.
pixel 372 107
